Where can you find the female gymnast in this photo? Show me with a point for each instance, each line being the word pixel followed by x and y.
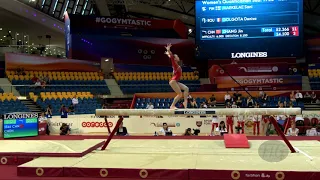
pixel 174 82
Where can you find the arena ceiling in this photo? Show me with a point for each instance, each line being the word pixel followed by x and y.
pixel 153 9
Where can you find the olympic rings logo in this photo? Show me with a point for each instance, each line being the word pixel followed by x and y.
pixel 96 124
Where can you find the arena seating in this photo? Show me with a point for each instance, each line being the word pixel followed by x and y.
pixel 61 82
pixel 139 82
pixel 87 103
pixel 314 78
pixel 141 103
pixel 10 103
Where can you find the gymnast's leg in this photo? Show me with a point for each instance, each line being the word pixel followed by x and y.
pixel 176 88
pixel 185 94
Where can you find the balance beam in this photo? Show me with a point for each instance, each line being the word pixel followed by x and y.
pixel 189 112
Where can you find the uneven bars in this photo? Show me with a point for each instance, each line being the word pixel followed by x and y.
pixel 188 112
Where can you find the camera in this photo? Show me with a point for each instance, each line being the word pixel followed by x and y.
pixel 196 132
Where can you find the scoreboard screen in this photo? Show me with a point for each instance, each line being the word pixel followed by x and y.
pixel 20 125
pixel 238 29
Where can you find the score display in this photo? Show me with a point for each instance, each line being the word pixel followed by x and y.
pixel 20 125
pixel 227 29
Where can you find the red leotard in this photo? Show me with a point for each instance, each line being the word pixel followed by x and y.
pixel 177 71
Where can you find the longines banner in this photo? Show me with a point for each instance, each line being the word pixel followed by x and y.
pixel 84 124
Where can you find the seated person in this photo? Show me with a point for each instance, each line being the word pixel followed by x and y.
pixel 193 103
pixel 221 129
pixel 122 131
pixel 165 130
pixel 293 131
pixel 65 129
pixel 44 120
pixel 188 132
pixel 71 109
pixel 212 101
pixel 312 132
pixel 64 111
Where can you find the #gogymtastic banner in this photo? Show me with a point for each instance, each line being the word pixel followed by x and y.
pixel 106 25
pixel 249 69
pixel 38 63
pixel 257 83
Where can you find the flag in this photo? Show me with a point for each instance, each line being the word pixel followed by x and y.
pixel 218 19
pixel 218 31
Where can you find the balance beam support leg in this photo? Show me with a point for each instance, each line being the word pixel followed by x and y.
pixel 112 133
pixel 275 124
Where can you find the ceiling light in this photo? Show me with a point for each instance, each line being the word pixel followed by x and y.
pixel 0 29
pixel 17 34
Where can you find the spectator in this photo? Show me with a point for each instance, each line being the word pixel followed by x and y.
pixel 228 105
pixel 227 98
pixel 188 132
pixel 203 105
pixel 264 99
pixel 71 109
pixel 292 97
pixel 261 94
pixel 215 124
pixel 250 102
pixel 239 102
pixel 281 119
pixel 221 130
pixel 43 119
pixel 75 101
pixel 150 106
pixel 104 106
pixel 189 98
pixel 290 104
pixel 38 84
pixel 212 101
pixel 43 84
pixel 298 96
pixel 307 97
pixel 165 130
pixel 63 111
pixel 34 79
pixel 49 112
pixel 234 105
pixel 236 95
pixel 65 129
pixel 193 103
pixel 312 132
pixel 313 97
pixel 122 131
pixel 46 79
pixel 20 71
pixel 293 131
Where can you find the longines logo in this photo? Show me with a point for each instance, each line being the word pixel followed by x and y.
pixel 241 55
pixel 20 115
